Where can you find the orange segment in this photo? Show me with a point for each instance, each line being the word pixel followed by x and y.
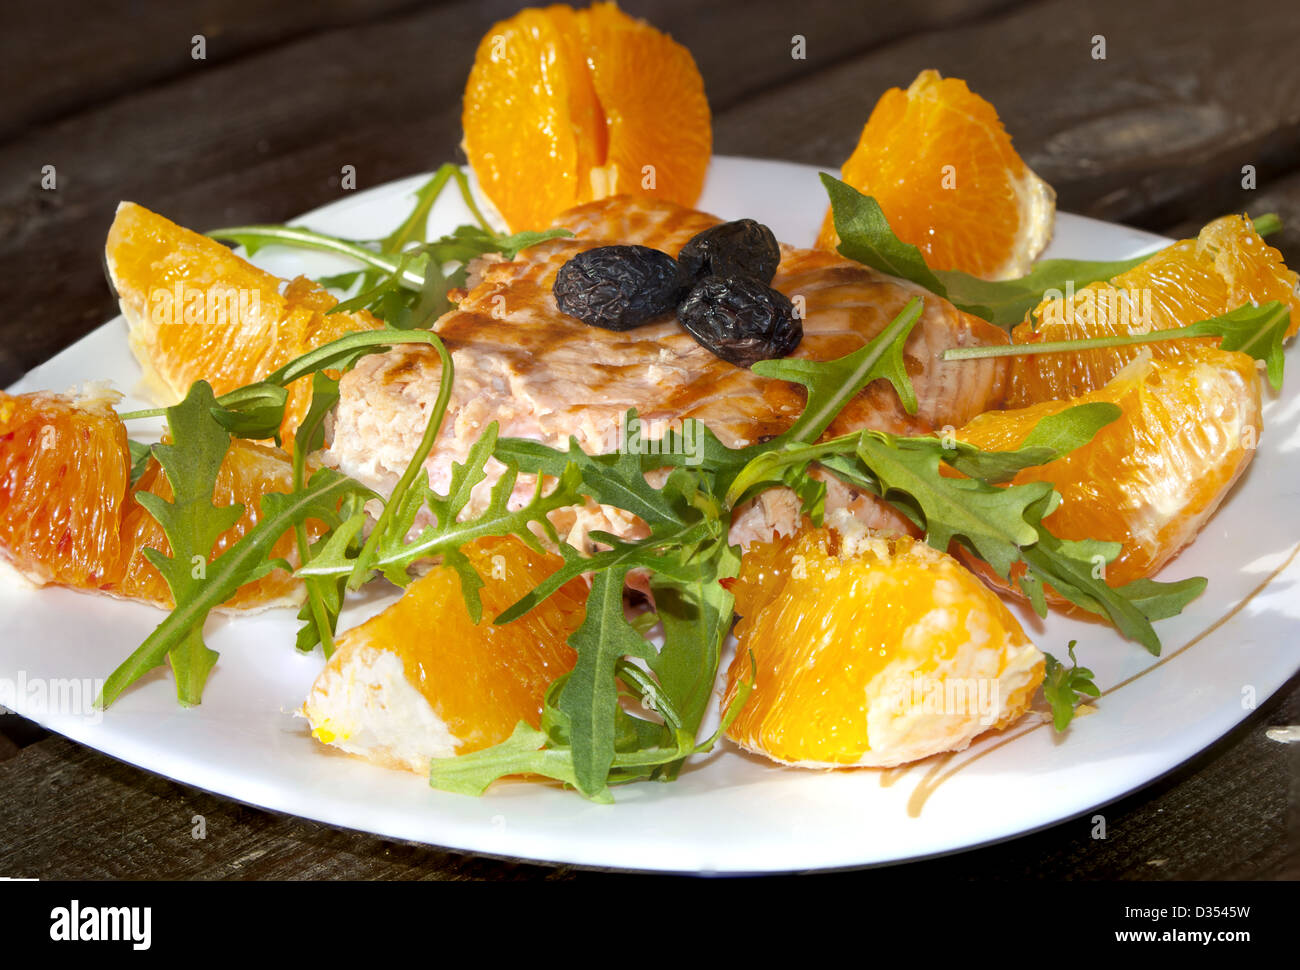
pixel 196 311
pixel 564 106
pixel 939 162
pixel 68 512
pixel 660 136
pixel 478 680
pixel 1227 265
pixel 524 118
pixel 853 639
pixel 1152 478
pixel 64 469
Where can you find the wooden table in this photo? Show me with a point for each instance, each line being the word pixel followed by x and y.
pixel 1155 135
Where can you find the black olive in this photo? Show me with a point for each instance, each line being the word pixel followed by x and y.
pixel 741 319
pixel 618 287
pixel 740 248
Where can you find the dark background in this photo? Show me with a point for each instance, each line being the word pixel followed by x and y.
pixel 1155 135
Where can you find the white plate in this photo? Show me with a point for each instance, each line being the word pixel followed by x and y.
pixel 729 813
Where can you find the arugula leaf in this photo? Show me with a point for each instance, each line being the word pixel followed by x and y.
pixel 191 523
pixel 320 613
pixel 832 384
pixel 1267 224
pixel 1064 687
pixel 1254 330
pixel 616 479
pixel 255 238
pixel 865 236
pixel 140 455
pixel 1070 567
pixel 255 411
pixel 324 600
pixel 696 615
pixel 1160 601
pixel 1053 436
pixel 659 552
pixel 447 534
pixel 590 698
pixel 396 551
pixel 991 518
pixel 406 280
pixel 245 561
pixel 532 751
pixel 252 412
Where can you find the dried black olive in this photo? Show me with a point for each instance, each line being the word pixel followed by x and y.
pixel 740 248
pixel 618 287
pixel 741 319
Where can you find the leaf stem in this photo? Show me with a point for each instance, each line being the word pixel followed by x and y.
pixel 1267 224
pixel 1213 327
pixel 1061 346
pixel 365 558
pixel 300 238
pixel 318 610
pixel 326 355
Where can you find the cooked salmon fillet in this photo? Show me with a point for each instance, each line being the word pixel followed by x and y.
pixel 546 376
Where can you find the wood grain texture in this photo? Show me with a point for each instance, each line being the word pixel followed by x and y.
pixel 1190 91
pixel 74 55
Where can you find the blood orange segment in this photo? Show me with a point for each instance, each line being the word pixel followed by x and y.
pixel 64 470
pixel 1151 479
pixel 68 510
pixel 1226 266
pixel 940 164
pixel 850 637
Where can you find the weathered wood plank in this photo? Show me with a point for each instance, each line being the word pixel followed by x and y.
pixel 73 54
pixel 71 813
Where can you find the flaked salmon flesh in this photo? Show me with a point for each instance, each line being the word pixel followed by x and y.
pixel 546 376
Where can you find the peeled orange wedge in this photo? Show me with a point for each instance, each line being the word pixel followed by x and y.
pixel 64 473
pixel 566 106
pixel 1226 266
pixel 68 510
pixel 421 680
pixel 871 651
pixel 196 311
pixel 939 162
pixel 1153 477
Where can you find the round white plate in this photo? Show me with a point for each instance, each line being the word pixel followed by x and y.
pixel 729 812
